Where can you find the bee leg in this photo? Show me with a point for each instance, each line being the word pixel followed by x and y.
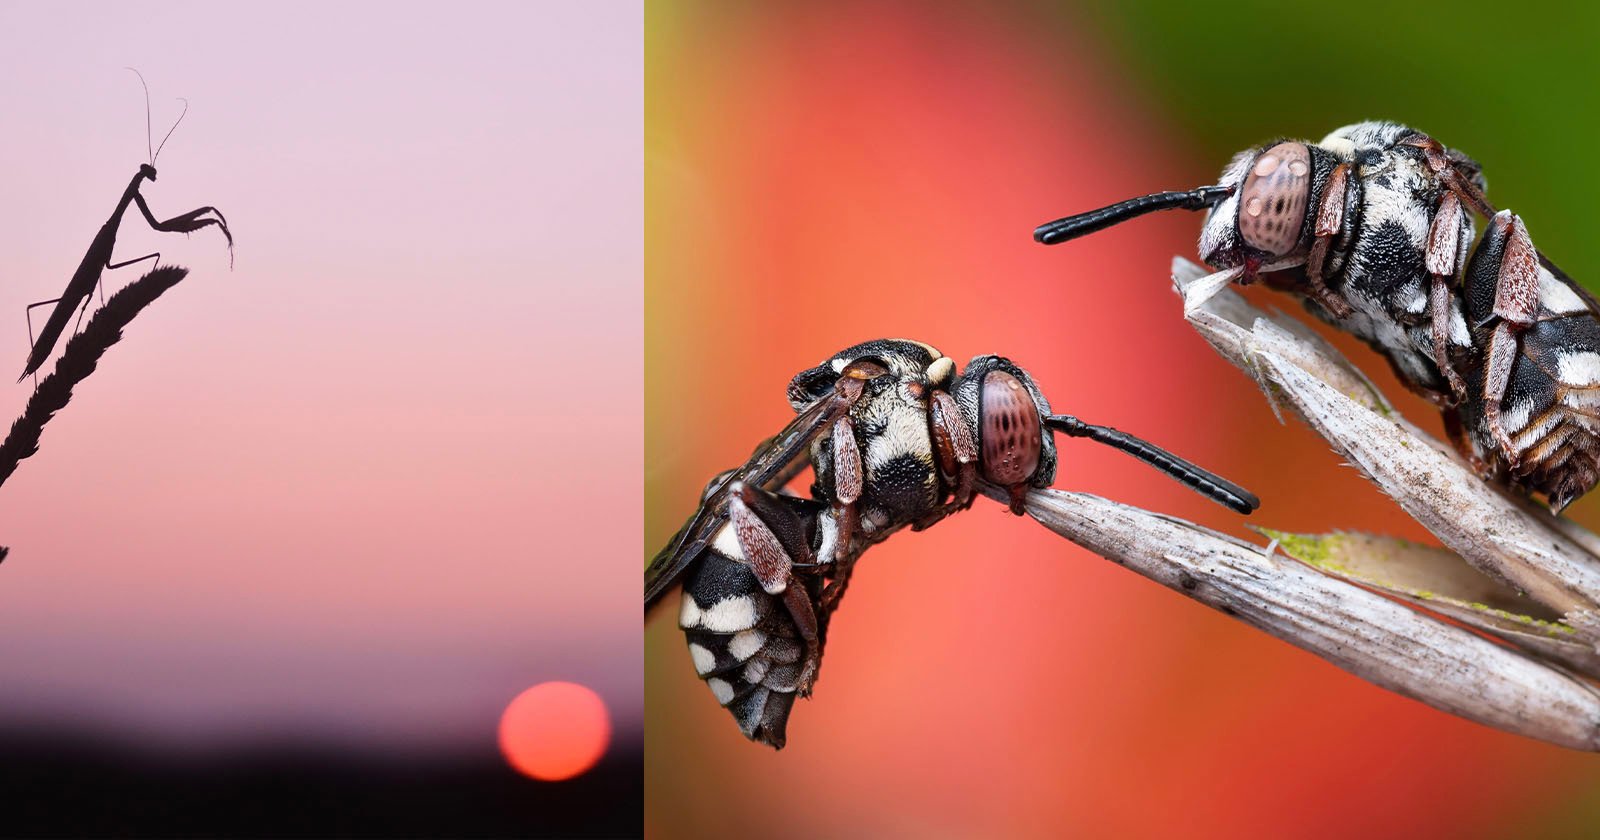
pixel 1516 304
pixel 847 478
pixel 834 591
pixel 1439 309
pixel 772 539
pixel 1502 354
pixel 805 620
pixel 1443 259
pixel 1456 431
pixel 1330 220
pixel 955 449
pixel 831 595
pixel 1019 498
pixel 1450 174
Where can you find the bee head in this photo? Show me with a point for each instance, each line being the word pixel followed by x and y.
pixel 1005 409
pixel 1271 213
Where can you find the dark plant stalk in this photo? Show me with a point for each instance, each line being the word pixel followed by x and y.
pixel 78 360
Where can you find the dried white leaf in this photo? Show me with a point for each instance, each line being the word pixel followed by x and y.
pixel 1438 580
pixel 1371 636
pixel 1200 290
pixel 1503 537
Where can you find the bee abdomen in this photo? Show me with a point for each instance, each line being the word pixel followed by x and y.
pixel 744 646
pixel 1552 410
pixel 1560 455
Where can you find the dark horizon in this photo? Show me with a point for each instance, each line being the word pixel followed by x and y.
pixel 62 780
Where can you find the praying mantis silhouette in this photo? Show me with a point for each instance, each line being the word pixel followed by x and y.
pixel 98 258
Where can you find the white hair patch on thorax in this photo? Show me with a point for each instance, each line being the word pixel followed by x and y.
pixel 1557 296
pixel 1340 147
pixel 704 660
pixel 837 365
pixel 755 671
pixel 830 538
pixel 1395 201
pixel 1367 134
pixel 726 543
pixel 905 432
pixel 1579 368
pixel 730 615
pixel 1459 334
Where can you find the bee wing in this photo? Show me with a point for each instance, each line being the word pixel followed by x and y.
pixel 769 466
pixel 1594 305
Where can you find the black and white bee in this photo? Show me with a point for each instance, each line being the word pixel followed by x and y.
pixel 895 437
pixel 1373 229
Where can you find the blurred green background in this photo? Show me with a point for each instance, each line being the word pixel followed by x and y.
pixel 1511 84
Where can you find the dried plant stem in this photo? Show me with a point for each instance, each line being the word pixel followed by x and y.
pixel 1503 537
pixel 1373 637
pixel 78 360
pixel 1536 588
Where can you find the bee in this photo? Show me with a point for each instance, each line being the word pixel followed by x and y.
pixel 895 437
pixel 1373 229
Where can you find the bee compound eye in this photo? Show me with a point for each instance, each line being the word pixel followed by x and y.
pixel 1272 204
pixel 1009 432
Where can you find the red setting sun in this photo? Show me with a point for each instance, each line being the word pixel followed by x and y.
pixel 555 731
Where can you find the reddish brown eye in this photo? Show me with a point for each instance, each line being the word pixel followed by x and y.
pixel 1272 205
pixel 1010 433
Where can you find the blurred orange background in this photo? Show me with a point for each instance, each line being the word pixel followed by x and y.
pixel 817 178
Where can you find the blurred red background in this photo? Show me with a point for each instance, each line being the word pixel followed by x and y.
pixel 816 179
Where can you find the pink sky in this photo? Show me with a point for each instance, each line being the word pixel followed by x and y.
pixel 383 475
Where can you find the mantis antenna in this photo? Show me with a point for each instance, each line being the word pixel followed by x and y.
pixel 149 155
pixel 169 131
pixel 152 155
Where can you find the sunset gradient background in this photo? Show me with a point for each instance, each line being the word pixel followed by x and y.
pixel 817 176
pixel 359 492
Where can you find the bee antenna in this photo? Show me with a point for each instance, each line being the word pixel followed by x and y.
pixel 149 155
pixel 1082 224
pixel 1205 482
pixel 170 130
